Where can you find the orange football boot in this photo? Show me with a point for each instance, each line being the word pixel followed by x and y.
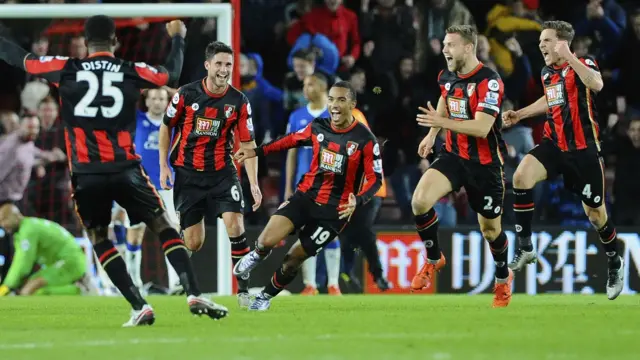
pixel 334 290
pixel 422 280
pixel 503 292
pixel 309 291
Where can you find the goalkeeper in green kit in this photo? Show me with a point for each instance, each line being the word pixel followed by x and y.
pixel 63 264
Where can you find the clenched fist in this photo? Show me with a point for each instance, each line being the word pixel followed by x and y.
pixel 510 118
pixel 176 27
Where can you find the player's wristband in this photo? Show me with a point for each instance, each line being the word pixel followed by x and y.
pixel 4 290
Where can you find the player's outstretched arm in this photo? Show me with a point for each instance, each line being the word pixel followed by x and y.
pixel 286 142
pixel 539 107
pixel 175 59
pixel 47 67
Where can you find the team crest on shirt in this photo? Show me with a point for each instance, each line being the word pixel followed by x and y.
pixel 207 127
pixel 471 88
pixel 228 110
pixel 331 161
pixel 457 107
pixel 352 146
pixel 554 94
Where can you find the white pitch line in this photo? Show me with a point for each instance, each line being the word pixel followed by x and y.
pixel 325 337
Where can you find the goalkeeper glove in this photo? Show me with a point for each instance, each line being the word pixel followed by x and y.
pixel 5 290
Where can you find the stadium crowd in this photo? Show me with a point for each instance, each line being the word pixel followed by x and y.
pixel 390 50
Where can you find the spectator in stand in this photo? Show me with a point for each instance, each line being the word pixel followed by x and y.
pixel 388 34
pixel 78 47
pixel 295 11
pixel 48 197
pixel 366 101
pixel 625 65
pixel 263 97
pixel 434 17
pixel 18 155
pixel 396 122
pixel 520 79
pixel 9 122
pixel 604 21
pixel 519 20
pixel 626 151
pixel 304 63
pixel 338 23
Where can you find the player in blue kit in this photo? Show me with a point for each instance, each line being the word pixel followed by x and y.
pixel 146 142
pixel 298 163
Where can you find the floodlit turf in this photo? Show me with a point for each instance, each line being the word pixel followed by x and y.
pixel 349 327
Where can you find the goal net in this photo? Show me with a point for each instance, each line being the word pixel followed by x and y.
pixel 57 29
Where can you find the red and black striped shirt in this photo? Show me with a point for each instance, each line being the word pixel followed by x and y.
pixel 481 90
pixel 204 125
pixel 571 116
pixel 344 161
pixel 98 101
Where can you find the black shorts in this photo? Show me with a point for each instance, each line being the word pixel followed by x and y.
pixel 484 184
pixel 94 195
pixel 318 224
pixel 582 170
pixel 198 195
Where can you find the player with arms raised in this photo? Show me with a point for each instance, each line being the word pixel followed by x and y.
pixel 346 161
pixel 571 146
pixel 469 104
pixel 203 116
pixel 98 98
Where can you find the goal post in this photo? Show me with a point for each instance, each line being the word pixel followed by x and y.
pixel 227 32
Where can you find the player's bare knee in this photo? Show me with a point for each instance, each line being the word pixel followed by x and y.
pixel 597 217
pixel 194 237
pixel 522 179
pixel 421 201
pixel 234 224
pixel 490 233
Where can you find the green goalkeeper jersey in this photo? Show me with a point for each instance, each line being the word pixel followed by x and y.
pixel 43 242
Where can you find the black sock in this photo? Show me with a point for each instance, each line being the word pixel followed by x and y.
pixel 239 248
pixel 609 242
pixel 262 251
pixel 523 208
pixel 370 251
pixel 499 251
pixel 279 280
pixel 176 252
pixel 348 258
pixel 427 226
pixel 114 266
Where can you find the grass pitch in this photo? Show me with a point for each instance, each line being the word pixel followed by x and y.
pixel 350 327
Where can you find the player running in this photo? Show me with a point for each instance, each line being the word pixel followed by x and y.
pixel 345 154
pixel 98 98
pixel 359 233
pixel 469 104
pixel 571 147
pixel 298 163
pixel 63 264
pixel 203 116
pixel 146 141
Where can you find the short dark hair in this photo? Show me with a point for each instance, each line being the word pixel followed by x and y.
pixel 564 30
pixel 346 85
pixel 321 77
pixel 99 29
pixel 217 47
pixel 467 32
pixel 304 54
